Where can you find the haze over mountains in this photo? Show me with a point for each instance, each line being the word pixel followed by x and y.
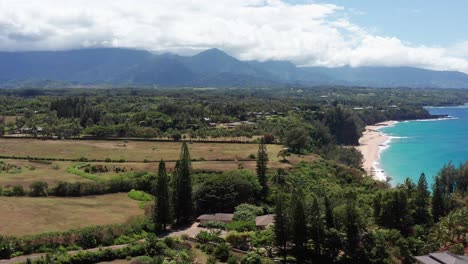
pixel 115 66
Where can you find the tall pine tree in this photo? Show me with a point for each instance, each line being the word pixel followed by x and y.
pixel 316 227
pixel 281 227
pixel 298 225
pixel 329 218
pixel 261 168
pixel 162 213
pixel 421 202
pixel 183 201
pixel 438 203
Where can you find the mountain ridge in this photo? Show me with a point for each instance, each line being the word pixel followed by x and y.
pixel 212 67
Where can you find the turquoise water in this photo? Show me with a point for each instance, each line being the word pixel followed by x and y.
pixel 425 146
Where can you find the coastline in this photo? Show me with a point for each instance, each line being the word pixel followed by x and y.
pixel 371 144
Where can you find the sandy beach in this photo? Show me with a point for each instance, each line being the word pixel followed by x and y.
pixel 370 145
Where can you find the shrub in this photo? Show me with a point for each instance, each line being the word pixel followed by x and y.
pixel 251 258
pixel 242 226
pixel 18 191
pixel 211 260
pixel 252 156
pixel 247 212
pixel 38 189
pixel 222 252
pixel 233 260
pixel 139 196
pixel 457 249
pixel 214 225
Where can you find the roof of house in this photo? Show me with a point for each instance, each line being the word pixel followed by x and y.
pixel 216 217
pixel 442 258
pixel 264 220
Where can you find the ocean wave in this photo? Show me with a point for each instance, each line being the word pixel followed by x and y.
pixel 379 173
pixel 435 119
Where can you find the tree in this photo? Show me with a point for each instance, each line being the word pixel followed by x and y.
pixel 281 227
pixel 438 203
pixel 298 225
pixel 329 218
pixel 261 168
pixel 316 226
pixel 421 202
pixel 353 230
pixel 284 153
pixel 162 213
pixel 183 183
pixel 38 189
pixel 297 139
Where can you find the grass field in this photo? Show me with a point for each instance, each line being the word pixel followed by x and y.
pixel 32 171
pixel 131 151
pixel 25 216
pixel 206 154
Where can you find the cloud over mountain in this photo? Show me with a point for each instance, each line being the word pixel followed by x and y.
pixel 309 34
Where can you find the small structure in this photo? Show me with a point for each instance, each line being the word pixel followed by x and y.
pixel 264 221
pixel 225 218
pixel 442 258
pixel 261 222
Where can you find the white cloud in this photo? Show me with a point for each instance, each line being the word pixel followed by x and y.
pixel 306 34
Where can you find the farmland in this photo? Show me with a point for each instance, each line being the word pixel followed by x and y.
pixel 25 216
pixel 126 150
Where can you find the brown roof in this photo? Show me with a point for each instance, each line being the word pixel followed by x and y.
pixel 265 220
pixel 444 257
pixel 216 217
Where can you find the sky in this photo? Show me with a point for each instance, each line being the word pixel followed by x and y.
pixel 429 34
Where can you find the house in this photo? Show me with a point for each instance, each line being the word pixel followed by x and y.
pixel 225 218
pixel 442 258
pixel 262 222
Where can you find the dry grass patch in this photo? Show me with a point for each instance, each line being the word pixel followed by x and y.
pixel 132 150
pixel 32 171
pixel 25 216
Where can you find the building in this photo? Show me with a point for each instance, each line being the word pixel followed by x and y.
pixel 264 221
pixel 225 218
pixel 261 222
pixel 442 258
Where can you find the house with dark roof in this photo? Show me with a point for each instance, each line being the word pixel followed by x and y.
pixel 442 258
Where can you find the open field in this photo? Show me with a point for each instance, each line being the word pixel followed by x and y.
pixel 30 172
pixel 131 150
pixel 25 216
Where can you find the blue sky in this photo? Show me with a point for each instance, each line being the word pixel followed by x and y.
pixel 429 34
pixel 425 22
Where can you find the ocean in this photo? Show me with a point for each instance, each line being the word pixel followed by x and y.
pixel 425 145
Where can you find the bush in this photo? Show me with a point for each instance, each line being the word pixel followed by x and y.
pixel 233 260
pixel 252 156
pixel 242 226
pixel 251 258
pixel 38 189
pixel 457 249
pixel 247 212
pixel 214 225
pixel 18 191
pixel 211 260
pixel 139 196
pixel 222 252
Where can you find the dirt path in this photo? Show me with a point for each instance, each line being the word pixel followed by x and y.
pixel 191 231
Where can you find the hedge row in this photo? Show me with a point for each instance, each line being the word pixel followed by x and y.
pixel 84 238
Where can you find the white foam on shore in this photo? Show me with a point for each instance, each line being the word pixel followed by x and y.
pixel 435 119
pixel 378 171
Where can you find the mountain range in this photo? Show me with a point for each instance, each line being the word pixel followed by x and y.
pixel 213 67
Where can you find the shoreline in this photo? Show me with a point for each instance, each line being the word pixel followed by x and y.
pixel 371 144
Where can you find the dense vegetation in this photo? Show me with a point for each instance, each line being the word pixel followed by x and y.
pixel 326 211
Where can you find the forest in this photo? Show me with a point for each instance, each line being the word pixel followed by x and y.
pixel 326 209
